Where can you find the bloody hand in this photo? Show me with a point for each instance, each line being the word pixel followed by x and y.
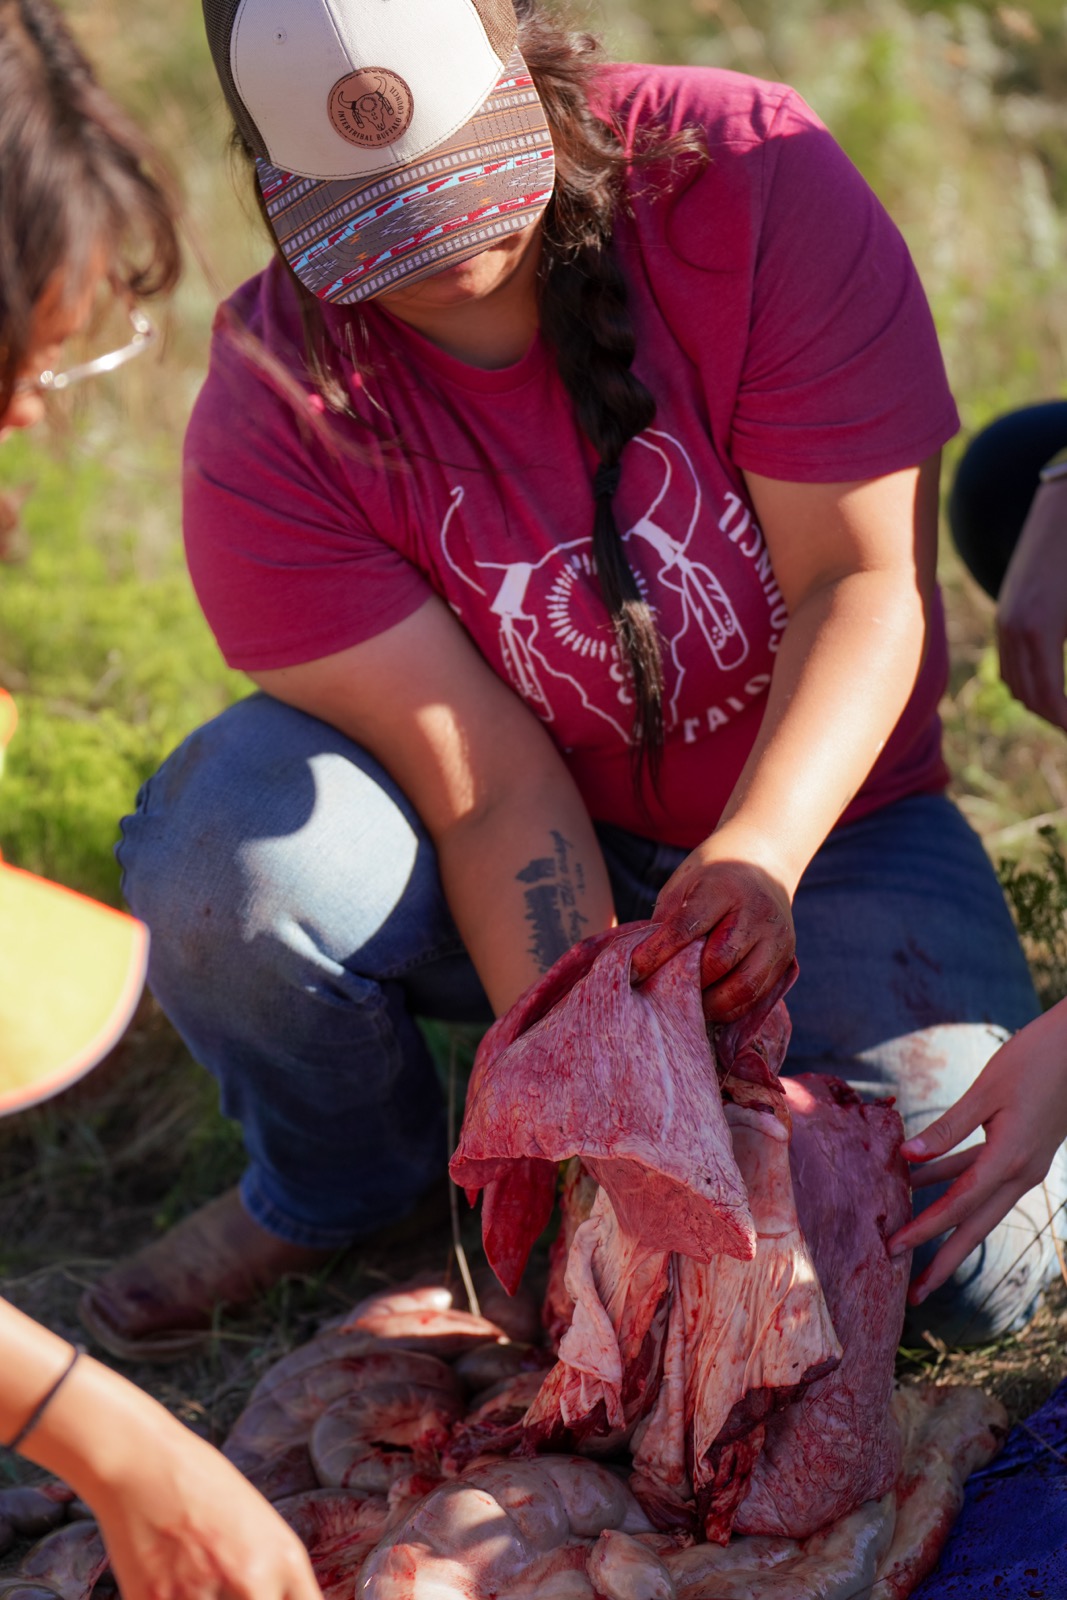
pixel 746 921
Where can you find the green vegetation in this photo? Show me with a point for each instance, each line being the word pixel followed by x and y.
pixel 109 660
pixel 955 113
pixel 101 640
pixel 1038 894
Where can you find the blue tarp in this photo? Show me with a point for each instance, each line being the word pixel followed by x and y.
pixel 1010 1542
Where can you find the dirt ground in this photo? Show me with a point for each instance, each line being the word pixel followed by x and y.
pixel 88 1178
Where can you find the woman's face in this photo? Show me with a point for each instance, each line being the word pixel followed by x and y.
pixel 57 317
pixel 467 281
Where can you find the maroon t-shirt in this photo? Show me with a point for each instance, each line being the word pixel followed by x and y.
pixel 782 329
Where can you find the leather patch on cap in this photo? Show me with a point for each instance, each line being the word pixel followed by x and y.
pixel 371 108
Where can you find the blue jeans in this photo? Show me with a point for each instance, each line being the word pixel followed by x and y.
pixel 299 928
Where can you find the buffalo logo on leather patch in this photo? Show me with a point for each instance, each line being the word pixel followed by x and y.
pixel 371 108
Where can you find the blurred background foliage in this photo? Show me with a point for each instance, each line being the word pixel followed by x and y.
pixel 955 112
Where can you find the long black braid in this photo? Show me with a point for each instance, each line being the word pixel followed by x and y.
pixel 585 319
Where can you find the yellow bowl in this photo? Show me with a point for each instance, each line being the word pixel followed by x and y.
pixel 71 973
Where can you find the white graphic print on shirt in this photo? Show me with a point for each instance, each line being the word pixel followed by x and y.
pixel 519 628
pixel 549 609
pixel 704 600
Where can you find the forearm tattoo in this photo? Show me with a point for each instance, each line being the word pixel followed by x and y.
pixel 552 913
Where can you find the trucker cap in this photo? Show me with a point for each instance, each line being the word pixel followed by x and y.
pixel 71 973
pixel 392 137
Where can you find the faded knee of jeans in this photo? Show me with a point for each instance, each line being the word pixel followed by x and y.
pixel 928 1070
pixel 997 1289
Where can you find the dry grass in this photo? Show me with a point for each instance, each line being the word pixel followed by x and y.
pixel 1021 1370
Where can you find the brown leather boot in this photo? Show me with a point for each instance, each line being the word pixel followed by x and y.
pixel 156 1305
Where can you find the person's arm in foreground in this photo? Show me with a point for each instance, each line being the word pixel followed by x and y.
pixel 519 861
pixel 178 1520
pixel 1020 1099
pixel 1032 607
pixel 855 564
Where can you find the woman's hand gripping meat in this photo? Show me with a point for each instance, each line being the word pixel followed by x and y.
pixel 741 910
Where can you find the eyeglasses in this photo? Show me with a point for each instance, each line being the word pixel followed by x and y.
pixel 48 382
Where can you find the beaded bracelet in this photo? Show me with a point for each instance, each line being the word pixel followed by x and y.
pixel 40 1409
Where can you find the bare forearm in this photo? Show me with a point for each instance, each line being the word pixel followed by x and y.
pixel 854 561
pixel 848 662
pixel 92 1411
pixel 525 880
pixel 177 1519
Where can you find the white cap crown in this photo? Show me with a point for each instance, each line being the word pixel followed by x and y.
pixel 347 88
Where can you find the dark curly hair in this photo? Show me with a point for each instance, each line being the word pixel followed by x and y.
pixel 77 181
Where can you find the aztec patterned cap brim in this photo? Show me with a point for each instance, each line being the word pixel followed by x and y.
pixel 348 240
pixel 392 137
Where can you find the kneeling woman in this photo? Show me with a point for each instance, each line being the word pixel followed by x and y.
pixel 568 485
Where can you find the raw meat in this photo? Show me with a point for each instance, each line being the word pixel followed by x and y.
pixel 398 1336
pixel 339 1530
pixel 490 1365
pixel 609 1363
pixel 496 1426
pixel 577 1191
pixel 421 1317
pixel 839 1444
pixel 501 1531
pixel 746 1338
pixel 386 1428
pixel 29 1512
pixel 300 1397
pixel 839 1563
pixel 656 1140
pixel 947 1433
pixel 72 1560
pixel 518 1196
pixel 561 1528
pixel 622 1567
